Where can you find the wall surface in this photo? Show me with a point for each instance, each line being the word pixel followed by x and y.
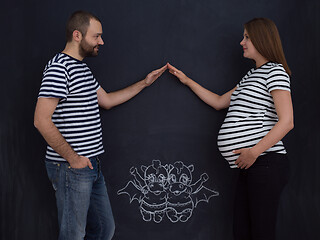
pixel 165 122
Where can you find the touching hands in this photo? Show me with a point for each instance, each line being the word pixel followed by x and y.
pixel 246 158
pixel 154 75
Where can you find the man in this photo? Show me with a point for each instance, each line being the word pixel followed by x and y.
pixel 67 116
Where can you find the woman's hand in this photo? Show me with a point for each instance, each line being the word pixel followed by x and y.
pixel 179 74
pixel 246 158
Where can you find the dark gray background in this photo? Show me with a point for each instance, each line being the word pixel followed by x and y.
pixel 166 121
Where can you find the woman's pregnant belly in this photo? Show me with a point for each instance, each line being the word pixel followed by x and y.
pixel 239 134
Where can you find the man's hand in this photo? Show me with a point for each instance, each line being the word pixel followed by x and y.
pixel 246 158
pixel 80 162
pixel 151 77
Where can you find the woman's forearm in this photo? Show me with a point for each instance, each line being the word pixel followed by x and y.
pixel 283 104
pixel 279 131
pixel 212 99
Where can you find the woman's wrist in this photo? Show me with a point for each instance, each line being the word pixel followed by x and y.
pixel 255 152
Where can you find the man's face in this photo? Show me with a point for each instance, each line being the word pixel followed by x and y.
pixel 89 45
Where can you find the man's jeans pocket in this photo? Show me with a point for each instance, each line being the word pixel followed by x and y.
pixel 80 179
pixel 53 169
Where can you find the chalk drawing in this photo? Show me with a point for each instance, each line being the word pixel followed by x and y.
pixel 167 191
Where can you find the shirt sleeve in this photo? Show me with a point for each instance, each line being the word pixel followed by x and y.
pixel 278 79
pixel 96 84
pixel 54 82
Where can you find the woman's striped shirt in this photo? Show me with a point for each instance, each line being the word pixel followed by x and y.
pixel 252 113
pixel 77 114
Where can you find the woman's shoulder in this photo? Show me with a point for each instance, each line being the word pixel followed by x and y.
pixel 273 66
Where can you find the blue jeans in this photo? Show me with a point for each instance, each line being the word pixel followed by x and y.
pixel 84 210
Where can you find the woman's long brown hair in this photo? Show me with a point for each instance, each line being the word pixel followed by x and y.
pixel 265 37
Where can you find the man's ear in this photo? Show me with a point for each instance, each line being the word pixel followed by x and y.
pixel 77 35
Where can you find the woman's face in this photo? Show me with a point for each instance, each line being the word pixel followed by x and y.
pixel 249 51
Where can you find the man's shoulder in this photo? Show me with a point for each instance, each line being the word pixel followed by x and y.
pixel 57 61
pixel 63 62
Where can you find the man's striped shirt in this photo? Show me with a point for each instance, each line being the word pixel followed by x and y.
pixel 77 114
pixel 252 113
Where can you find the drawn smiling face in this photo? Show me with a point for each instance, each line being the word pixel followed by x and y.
pixel 155 177
pixel 180 178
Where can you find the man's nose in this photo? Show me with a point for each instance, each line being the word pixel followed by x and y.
pixel 101 42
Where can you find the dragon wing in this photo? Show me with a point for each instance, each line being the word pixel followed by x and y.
pixel 133 190
pixel 203 194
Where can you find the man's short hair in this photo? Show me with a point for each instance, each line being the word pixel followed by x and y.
pixel 79 20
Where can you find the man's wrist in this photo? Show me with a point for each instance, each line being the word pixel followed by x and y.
pixel 144 83
pixel 72 159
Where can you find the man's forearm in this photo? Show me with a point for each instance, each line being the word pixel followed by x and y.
pixel 109 100
pixel 127 93
pixel 55 139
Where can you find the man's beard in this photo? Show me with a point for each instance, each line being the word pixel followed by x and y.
pixel 87 50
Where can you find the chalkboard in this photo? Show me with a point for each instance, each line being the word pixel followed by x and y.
pixel 166 126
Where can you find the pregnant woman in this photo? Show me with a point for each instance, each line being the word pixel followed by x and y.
pixel 260 114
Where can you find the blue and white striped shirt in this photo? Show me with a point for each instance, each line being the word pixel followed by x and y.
pixel 252 113
pixel 77 114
